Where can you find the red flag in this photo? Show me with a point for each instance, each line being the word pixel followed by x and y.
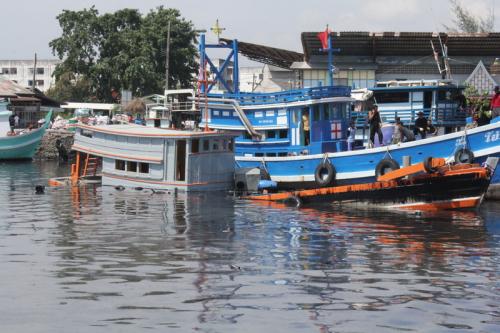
pixel 323 37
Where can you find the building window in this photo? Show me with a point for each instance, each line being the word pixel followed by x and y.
pixel 39 83
pixel 144 167
pixel 11 70
pixel 39 70
pixel 120 165
pixel 131 166
pixel 195 146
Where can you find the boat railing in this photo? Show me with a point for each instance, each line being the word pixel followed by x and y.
pixel 439 116
pixel 286 96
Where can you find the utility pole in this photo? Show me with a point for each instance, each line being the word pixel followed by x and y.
pixel 167 60
pixel 34 76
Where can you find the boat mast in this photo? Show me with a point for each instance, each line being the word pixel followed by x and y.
pixel 167 59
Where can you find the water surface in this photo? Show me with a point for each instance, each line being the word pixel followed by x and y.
pixel 100 260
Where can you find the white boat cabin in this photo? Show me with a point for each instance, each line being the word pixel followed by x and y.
pixel 148 157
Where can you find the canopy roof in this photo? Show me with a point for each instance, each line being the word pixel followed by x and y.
pixel 353 43
pixel 267 55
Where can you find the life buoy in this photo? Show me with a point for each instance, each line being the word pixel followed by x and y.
pixel 386 165
pixel 428 165
pixel 464 155
pixel 325 173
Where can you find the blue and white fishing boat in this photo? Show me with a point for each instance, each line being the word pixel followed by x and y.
pixel 20 146
pixel 298 137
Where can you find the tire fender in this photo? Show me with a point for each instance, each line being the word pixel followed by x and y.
pixel 386 165
pixel 325 174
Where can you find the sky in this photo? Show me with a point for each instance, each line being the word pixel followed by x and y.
pixel 27 26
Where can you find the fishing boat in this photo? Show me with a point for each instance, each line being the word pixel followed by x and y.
pixel 155 158
pixel 22 145
pixel 431 185
pixel 298 138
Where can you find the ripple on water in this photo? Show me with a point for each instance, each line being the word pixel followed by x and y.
pixel 129 260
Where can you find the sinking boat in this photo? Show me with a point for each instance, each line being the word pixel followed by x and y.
pixel 155 158
pixel 431 185
pixel 22 145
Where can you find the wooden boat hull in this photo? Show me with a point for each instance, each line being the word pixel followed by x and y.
pixel 457 189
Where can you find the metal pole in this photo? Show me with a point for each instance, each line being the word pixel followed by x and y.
pixel 34 76
pixel 236 72
pixel 330 60
pixel 167 60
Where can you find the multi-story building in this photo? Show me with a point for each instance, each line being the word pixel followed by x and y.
pixel 22 71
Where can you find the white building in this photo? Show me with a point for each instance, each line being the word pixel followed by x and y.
pixel 21 72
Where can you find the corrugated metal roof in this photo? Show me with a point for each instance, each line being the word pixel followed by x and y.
pixel 9 88
pixel 404 43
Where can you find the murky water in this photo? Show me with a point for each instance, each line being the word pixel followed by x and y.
pixel 101 260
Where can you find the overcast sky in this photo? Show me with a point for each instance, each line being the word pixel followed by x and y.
pixel 27 26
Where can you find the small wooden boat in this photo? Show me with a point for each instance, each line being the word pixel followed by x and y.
pixel 431 185
pixel 20 146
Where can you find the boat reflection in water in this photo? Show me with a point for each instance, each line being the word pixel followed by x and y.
pixel 213 262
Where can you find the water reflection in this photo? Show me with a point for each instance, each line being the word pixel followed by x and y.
pixel 97 257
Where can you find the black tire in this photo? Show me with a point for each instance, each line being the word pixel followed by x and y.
pixel 386 165
pixel 428 165
pixel 464 155
pixel 325 174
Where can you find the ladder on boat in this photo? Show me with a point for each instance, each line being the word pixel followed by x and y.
pixel 91 165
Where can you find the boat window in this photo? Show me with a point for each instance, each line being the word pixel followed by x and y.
pixel 247 136
pixel 271 154
pixel 231 145
pixel 282 154
pixel 144 167
pixel 195 145
pixel 283 134
pixel 180 170
pixel 131 166
pixel 259 154
pixel 86 133
pixel 206 145
pixel 215 144
pixel 120 165
pixel 444 95
pixel 316 112
pixel 392 97
pixel 271 134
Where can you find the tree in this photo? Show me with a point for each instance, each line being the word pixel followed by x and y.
pixel 124 50
pixel 467 22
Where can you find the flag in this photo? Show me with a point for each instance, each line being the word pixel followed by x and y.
pixel 323 37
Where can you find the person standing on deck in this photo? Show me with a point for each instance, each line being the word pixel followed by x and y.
pixel 401 133
pixel 495 103
pixel 421 125
pixel 375 126
pixel 351 135
pixel 12 123
pixel 306 127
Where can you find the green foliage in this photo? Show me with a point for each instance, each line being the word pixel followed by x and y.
pixel 70 88
pixel 124 50
pixel 466 22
